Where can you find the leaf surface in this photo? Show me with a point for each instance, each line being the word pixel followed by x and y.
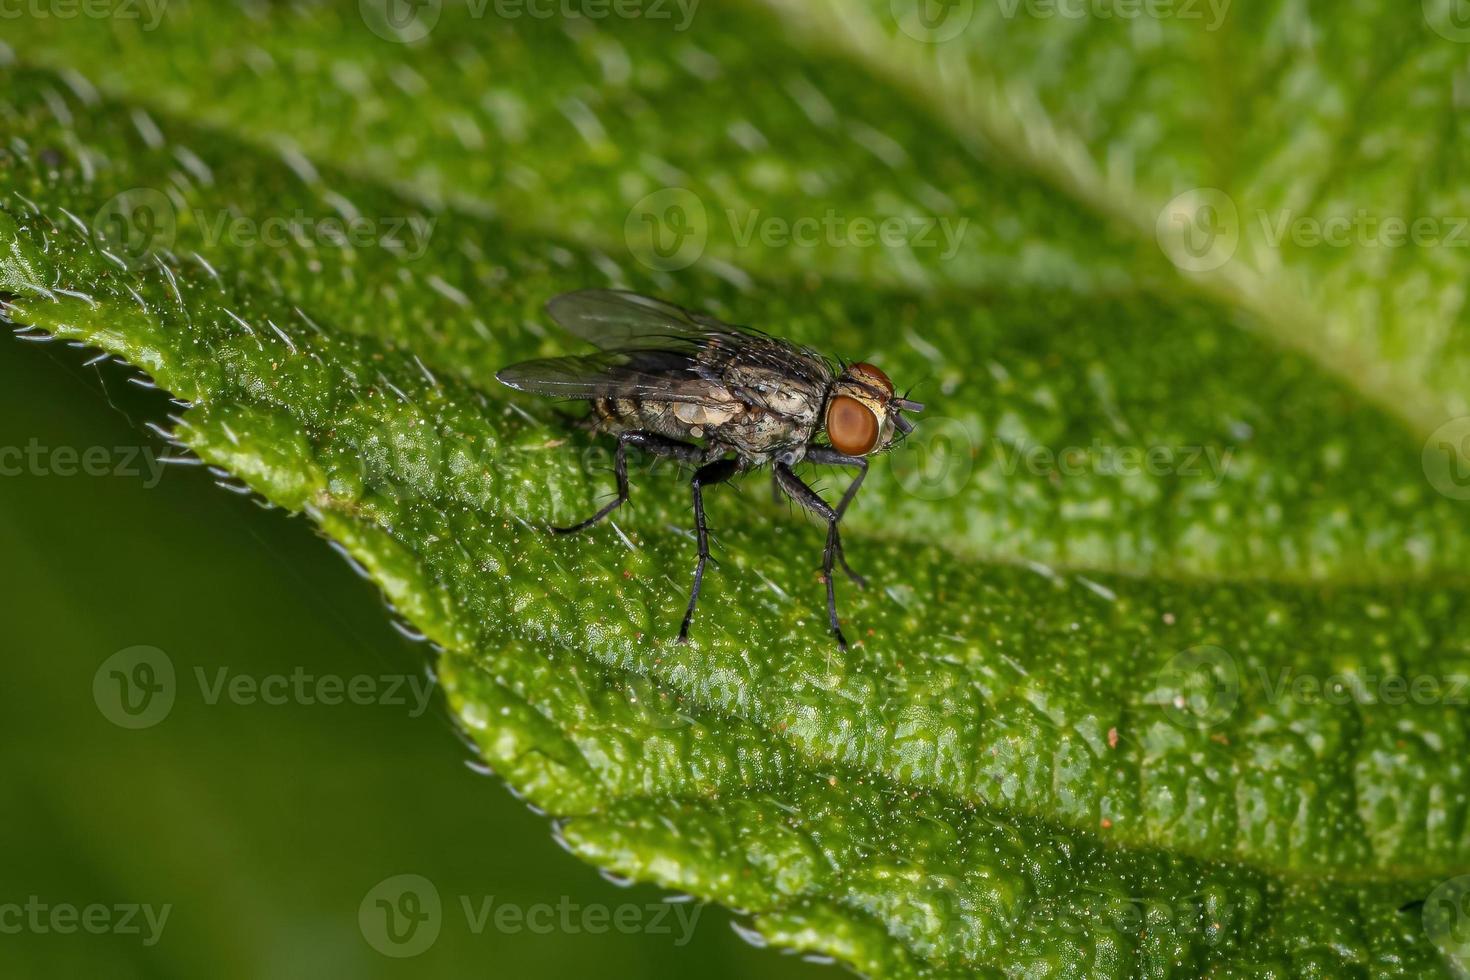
pixel 1069 741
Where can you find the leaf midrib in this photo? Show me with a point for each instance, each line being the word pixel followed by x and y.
pixel 1035 145
pixel 1379 873
pixel 1061 160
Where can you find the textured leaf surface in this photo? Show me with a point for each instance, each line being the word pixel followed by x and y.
pixel 999 777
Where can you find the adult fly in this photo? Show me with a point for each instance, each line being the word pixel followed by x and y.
pixel 721 399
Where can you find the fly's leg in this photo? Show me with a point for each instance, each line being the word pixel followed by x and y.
pixel 711 473
pixel 808 498
pixel 649 442
pixel 824 455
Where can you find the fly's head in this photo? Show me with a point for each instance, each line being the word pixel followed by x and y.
pixel 863 413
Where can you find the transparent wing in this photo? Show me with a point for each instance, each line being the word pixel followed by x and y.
pixel 614 319
pixel 656 375
pixel 658 351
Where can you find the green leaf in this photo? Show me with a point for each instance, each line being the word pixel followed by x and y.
pixel 1071 740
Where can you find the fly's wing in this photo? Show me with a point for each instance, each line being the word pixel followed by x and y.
pixel 652 375
pixel 658 351
pixel 614 319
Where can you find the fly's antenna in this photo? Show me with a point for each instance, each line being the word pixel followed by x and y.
pixel 904 404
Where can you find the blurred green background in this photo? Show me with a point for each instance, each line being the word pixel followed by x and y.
pixel 264 827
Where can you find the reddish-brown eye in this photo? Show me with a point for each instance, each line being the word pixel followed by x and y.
pixel 868 374
pixel 852 426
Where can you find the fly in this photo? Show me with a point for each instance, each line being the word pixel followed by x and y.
pixel 722 400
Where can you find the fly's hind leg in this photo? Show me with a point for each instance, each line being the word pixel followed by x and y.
pixel 649 442
pixel 711 473
pixel 808 498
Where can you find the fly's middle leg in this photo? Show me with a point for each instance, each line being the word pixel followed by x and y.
pixel 649 442
pixel 711 473
pixel 808 498
pixel 827 456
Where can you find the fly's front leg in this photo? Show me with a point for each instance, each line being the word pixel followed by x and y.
pixel 808 498
pixel 711 473
pixel 826 456
pixel 649 442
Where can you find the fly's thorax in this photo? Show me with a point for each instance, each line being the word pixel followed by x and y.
pixel 700 417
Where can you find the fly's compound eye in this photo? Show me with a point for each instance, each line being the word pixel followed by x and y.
pixel 870 375
pixel 852 426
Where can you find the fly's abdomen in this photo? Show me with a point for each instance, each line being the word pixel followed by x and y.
pixel 666 418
